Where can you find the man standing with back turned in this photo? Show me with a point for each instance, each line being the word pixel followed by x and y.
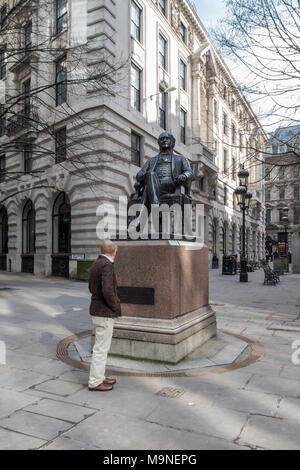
pixel 105 306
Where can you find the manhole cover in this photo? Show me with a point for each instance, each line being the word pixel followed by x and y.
pixel 171 392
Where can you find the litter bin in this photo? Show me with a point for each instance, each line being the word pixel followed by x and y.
pixel 229 265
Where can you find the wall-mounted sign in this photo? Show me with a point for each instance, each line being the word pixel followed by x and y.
pixel 79 257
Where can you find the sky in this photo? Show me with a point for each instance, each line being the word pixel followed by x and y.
pixel 210 11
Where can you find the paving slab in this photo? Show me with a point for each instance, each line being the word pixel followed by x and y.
pixel 39 349
pixel 16 441
pixel 290 372
pixel 34 425
pixel 106 431
pixel 19 380
pixel 65 443
pixel 64 411
pixel 59 387
pixel 274 385
pixel 213 421
pixel 76 376
pixel 248 401
pixel 127 402
pixel 271 433
pixel 34 363
pixel 11 401
pixel 289 408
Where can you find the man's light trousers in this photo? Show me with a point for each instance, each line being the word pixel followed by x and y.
pixel 103 328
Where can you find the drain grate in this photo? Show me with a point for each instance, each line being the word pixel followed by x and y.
pixel 171 392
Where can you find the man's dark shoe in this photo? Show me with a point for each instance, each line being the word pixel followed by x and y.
pixel 104 387
pixel 109 381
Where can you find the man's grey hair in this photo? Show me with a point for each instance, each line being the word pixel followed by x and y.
pixel 109 248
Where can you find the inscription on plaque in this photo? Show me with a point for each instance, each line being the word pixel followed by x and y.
pixel 136 295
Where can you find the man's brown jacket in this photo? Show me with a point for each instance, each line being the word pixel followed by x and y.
pixel 103 287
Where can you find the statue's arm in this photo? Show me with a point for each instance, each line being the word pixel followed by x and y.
pixel 186 172
pixel 140 177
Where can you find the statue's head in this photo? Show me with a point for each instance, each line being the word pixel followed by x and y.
pixel 166 141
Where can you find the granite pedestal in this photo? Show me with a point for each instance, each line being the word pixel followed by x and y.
pixel 165 300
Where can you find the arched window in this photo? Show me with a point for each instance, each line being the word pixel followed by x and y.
pixel 3 231
pixel 61 226
pixel 28 229
pixel 214 237
pixel 233 239
pixel 224 239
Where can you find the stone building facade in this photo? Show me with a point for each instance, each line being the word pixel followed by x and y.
pixel 282 185
pixel 67 146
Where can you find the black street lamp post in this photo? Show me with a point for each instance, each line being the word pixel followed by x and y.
pixel 285 221
pixel 243 197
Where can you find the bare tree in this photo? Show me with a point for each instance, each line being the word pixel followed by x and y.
pixel 62 70
pixel 262 38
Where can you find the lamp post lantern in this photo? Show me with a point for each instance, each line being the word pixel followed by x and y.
pixel 243 198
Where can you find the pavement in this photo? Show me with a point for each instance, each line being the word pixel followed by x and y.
pixel 45 404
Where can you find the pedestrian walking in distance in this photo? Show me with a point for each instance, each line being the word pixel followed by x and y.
pixel 105 307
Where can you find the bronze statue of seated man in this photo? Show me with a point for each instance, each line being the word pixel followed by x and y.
pixel 162 177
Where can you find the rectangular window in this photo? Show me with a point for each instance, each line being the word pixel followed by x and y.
pixel 162 6
pixel 268 174
pixel 27 36
pixel 60 145
pixel 182 75
pixel 268 216
pixel 296 192
pixel 233 105
pixel 182 32
pixel 2 168
pixel 241 141
pixel 281 172
pixel 225 92
pixel 233 131
pixel 162 111
pixel 225 162
pixel 61 82
pixel 3 16
pixel 27 158
pixel 296 171
pixel 282 148
pixel 183 126
pixel 215 112
pixel 297 215
pixel 268 195
pixel 233 173
pixel 2 64
pixel 162 51
pixel 136 21
pixel 225 125
pixel 281 193
pixel 225 196
pixel 136 74
pixel 2 120
pixel 26 98
pixel 136 149
pixel 61 15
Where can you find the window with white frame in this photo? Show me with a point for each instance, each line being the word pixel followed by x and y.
pixel 136 79
pixel 136 21
pixel 61 15
pixel 162 110
pixel 182 32
pixel 183 126
pixel 162 6
pixel 162 51
pixel 183 70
